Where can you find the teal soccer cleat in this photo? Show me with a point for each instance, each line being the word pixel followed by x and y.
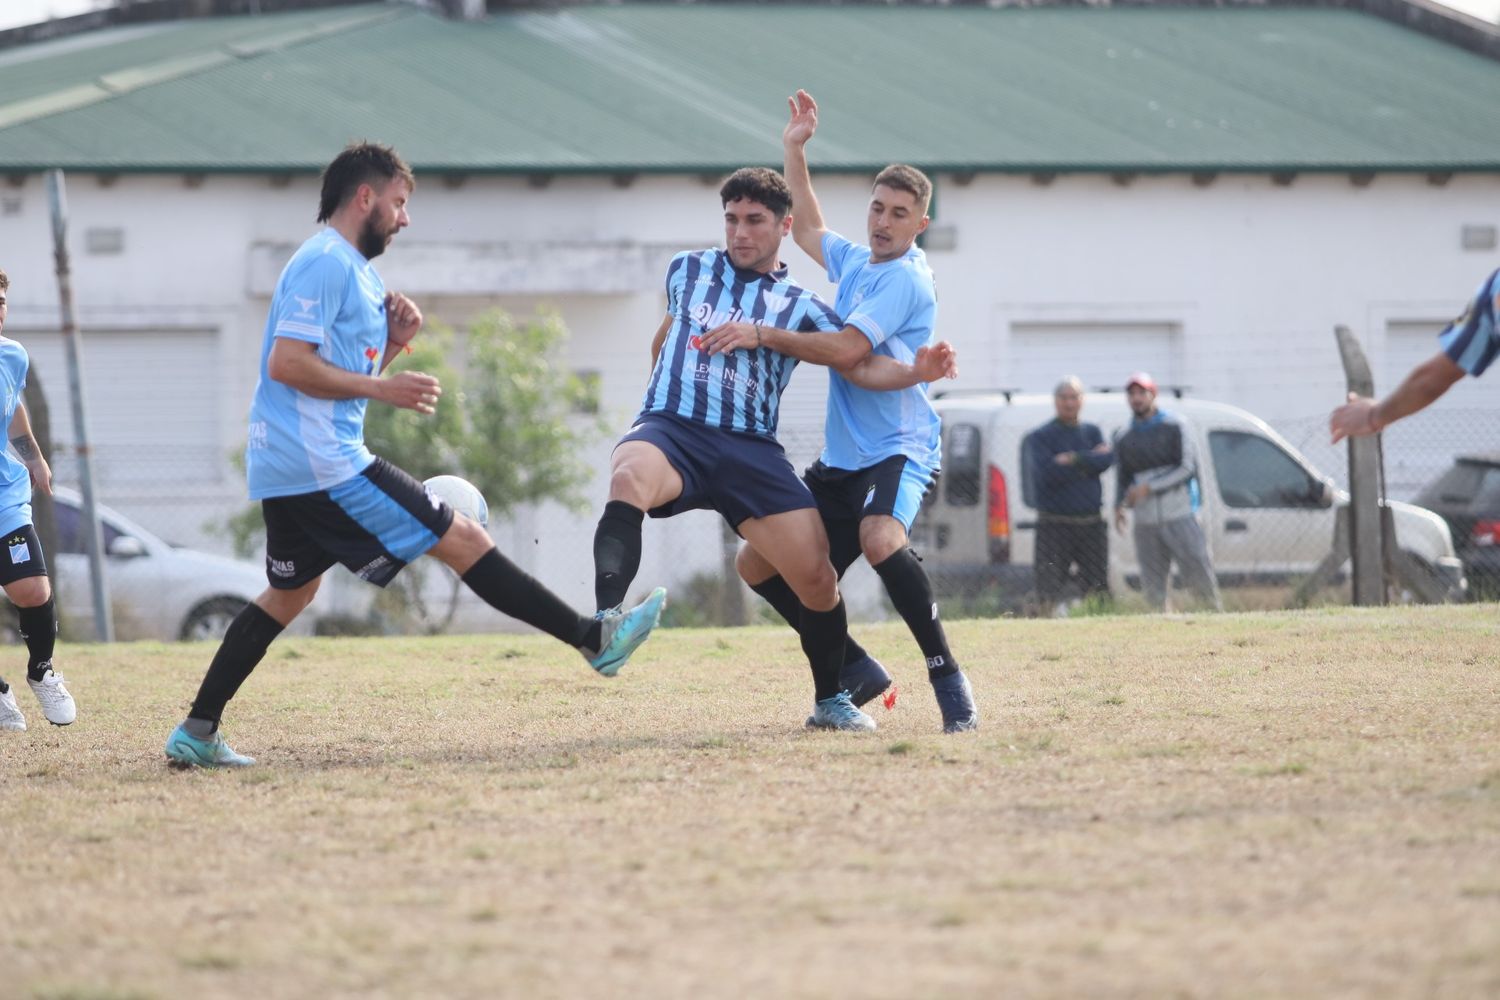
pixel 622 632
pixel 187 750
pixel 839 713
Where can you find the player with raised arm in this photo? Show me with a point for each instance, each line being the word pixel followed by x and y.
pixel 882 450
pixel 705 437
pixel 332 330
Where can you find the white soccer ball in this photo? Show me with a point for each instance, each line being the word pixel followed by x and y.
pixel 461 495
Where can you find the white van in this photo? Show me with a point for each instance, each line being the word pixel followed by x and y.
pixel 1267 513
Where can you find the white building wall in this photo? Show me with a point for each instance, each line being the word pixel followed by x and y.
pixel 1232 289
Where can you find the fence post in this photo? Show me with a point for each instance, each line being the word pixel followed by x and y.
pixel 1365 542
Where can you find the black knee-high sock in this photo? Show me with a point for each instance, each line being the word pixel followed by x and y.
pixel 617 552
pixel 823 634
pixel 39 629
pixel 510 589
pixel 244 645
pixel 911 593
pixel 779 595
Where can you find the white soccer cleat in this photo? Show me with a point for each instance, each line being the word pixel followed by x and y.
pixel 57 703
pixel 10 712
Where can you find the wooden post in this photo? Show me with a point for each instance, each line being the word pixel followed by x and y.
pixel 1365 548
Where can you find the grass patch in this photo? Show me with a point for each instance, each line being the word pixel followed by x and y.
pixel 414 828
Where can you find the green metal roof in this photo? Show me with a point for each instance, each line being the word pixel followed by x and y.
pixel 702 88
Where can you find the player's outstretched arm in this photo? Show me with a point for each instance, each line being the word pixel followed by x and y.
pixel 296 363
pixel 842 349
pixel 26 447
pixel 1426 382
pixel 883 374
pixel 807 217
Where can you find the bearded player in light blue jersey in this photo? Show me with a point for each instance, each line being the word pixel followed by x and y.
pixel 705 437
pixel 332 330
pixel 23 570
pixel 883 449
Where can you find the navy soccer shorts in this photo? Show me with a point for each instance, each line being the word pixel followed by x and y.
pixel 893 487
pixel 739 475
pixel 374 523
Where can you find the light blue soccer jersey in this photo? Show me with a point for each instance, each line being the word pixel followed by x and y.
pixel 894 305
pixel 1471 340
pixel 328 295
pixel 741 390
pixel 15 481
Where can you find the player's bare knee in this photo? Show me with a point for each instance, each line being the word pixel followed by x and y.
pixel 816 586
pixel 31 592
pixel 752 566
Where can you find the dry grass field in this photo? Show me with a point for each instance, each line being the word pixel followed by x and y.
pixel 1272 805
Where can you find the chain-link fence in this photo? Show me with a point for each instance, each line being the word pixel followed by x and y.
pixel 1268 521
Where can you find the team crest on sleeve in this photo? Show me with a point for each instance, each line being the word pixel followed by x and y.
pixel 305 307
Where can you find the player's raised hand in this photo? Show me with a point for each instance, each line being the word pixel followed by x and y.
pixel 731 337
pixel 936 361
pixel 1355 418
pixel 804 119
pixel 402 318
pixel 411 391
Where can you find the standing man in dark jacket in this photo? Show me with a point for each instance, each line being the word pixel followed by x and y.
pixel 1064 460
pixel 1156 476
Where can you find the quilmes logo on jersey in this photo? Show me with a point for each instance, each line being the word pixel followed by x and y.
pixel 704 315
pixel 774 303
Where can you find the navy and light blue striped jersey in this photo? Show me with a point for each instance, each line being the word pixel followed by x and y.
pixel 739 391
pixel 1471 340
pixel 331 296
pixel 15 481
pixel 894 304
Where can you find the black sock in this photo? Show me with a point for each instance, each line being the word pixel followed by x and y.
pixel 509 589
pixel 617 552
pixel 779 595
pixel 911 593
pixel 38 627
pixel 245 644
pixel 823 634
pixel 4 687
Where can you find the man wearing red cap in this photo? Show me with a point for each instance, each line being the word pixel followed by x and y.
pixel 1157 469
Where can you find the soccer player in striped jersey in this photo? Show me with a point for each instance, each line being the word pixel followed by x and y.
pixel 332 331
pixel 1466 347
pixel 882 449
pixel 705 438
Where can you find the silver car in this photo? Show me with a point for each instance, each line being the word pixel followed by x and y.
pixel 157 591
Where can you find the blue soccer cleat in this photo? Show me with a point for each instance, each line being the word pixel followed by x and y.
pixel 956 700
pixel 865 680
pixel 623 631
pixel 189 751
pixel 839 713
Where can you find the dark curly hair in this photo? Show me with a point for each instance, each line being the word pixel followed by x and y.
pixel 760 184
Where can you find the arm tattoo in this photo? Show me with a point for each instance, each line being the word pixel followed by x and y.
pixel 25 447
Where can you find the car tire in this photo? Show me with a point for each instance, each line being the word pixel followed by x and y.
pixel 210 619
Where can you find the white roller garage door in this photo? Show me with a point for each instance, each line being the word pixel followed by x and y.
pixel 1101 354
pixel 152 400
